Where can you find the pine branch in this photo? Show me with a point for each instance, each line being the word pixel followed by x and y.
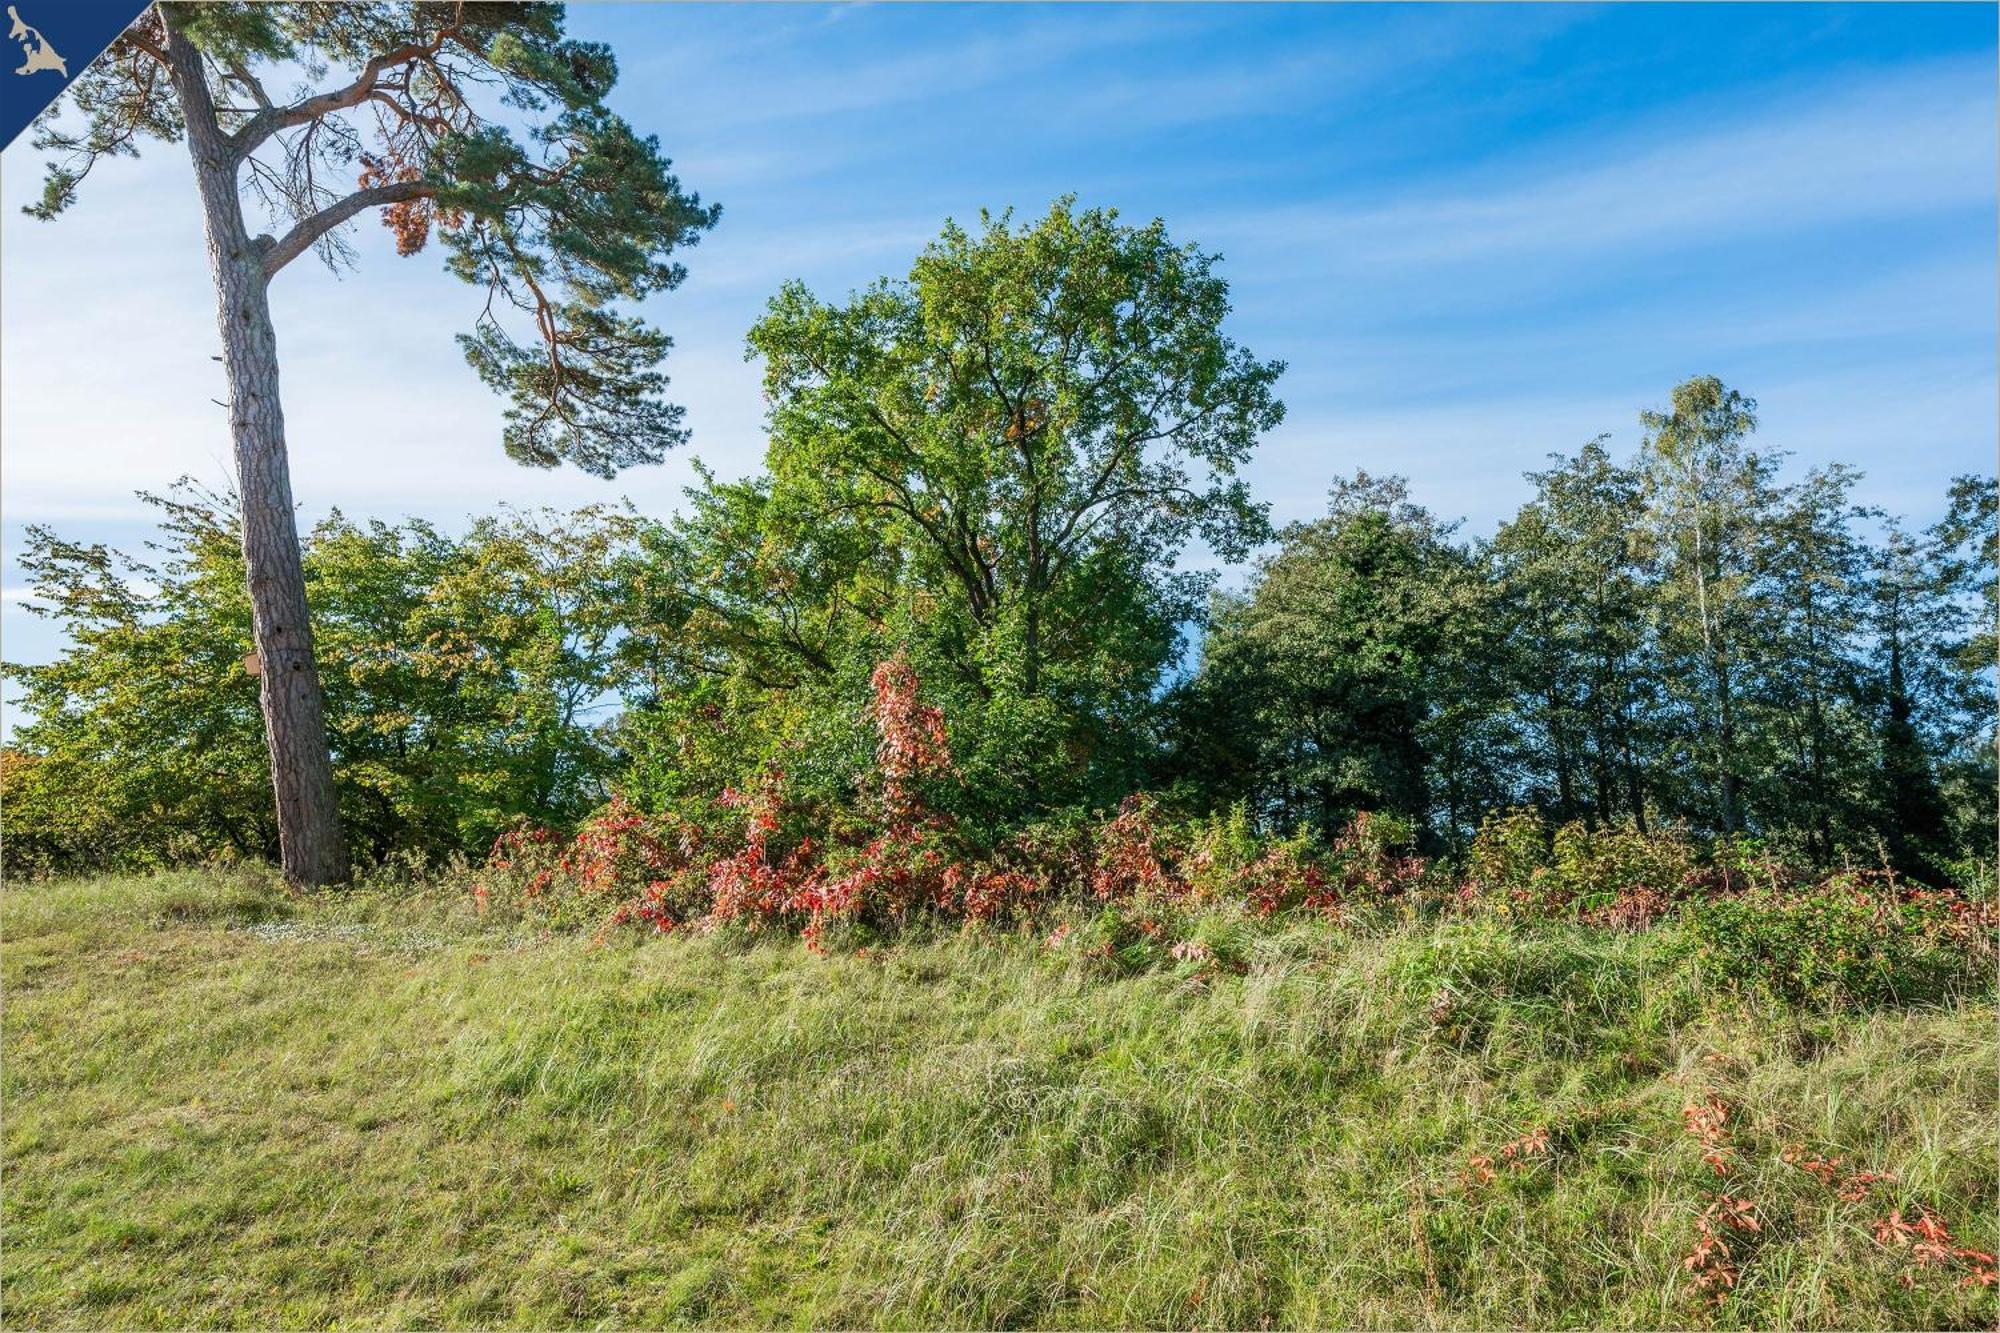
pixel 268 122
pixel 300 238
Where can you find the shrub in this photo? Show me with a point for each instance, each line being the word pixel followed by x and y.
pixel 1854 939
pixel 1510 853
pixel 620 865
pixel 1159 892
pixel 1621 874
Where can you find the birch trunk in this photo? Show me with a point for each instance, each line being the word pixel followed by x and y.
pixel 309 837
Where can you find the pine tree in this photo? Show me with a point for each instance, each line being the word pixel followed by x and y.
pixel 562 216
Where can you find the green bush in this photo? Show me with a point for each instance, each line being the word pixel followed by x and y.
pixel 1850 941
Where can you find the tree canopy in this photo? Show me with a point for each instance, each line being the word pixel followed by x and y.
pixel 997 461
pixel 480 125
pixel 983 485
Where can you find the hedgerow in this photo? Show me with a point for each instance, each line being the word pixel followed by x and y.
pixel 1141 887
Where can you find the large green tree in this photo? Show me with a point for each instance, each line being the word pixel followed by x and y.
pixel 139 743
pixel 470 681
pixel 1965 545
pixel 1933 624
pixel 1577 599
pixel 997 462
pixel 1806 679
pixel 482 123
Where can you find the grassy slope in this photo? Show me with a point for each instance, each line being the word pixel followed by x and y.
pixel 340 1116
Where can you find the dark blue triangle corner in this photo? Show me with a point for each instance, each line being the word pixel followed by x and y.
pixel 49 42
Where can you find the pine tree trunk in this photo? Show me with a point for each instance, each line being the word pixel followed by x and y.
pixel 309 838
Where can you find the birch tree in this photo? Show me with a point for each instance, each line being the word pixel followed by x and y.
pixel 1709 495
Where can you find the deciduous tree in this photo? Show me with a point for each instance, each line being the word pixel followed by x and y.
pixel 1000 457
pixel 1349 677
pixel 1579 599
pixel 1708 494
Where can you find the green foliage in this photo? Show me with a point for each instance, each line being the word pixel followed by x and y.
pixel 482 123
pixel 1575 866
pixel 1933 689
pixel 1682 639
pixel 1348 680
pixel 991 470
pixel 1840 943
pixel 1572 636
pixel 142 744
pixel 996 464
pixel 468 682
pixel 1596 865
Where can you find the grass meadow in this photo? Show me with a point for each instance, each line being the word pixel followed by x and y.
pixel 227 1106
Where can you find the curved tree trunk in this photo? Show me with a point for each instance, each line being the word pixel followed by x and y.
pixel 294 721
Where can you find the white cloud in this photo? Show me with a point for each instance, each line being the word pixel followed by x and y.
pixel 1900 145
pixel 998 53
pixel 1912 426
pixel 1477 294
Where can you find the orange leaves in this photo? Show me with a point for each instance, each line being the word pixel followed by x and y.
pixel 1518 1155
pixel 750 883
pixel 1856 1186
pixel 1713 1261
pixel 1728 1221
pixel 1535 1143
pixel 1029 420
pixel 912 744
pixel 1707 1120
pixel 1824 1170
pixel 1849 1186
pixel 409 220
pixel 1921 1231
pixel 1735 1214
pixel 1128 864
pixel 1931 1245
pixel 1141 858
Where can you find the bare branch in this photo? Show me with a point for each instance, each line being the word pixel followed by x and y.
pixel 145 43
pixel 300 238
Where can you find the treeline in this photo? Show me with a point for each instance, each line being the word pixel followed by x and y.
pixel 1682 637
pixel 989 470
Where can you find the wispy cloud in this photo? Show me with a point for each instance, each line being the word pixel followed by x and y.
pixel 1402 48
pixel 761 257
pixel 1027 43
pixel 1902 423
pixel 1467 259
pixel 1916 141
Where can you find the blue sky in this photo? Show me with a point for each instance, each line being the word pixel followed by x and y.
pixel 1476 234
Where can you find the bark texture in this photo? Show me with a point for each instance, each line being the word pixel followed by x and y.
pixel 309 837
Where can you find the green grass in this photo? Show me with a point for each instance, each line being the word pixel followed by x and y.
pixel 224 1107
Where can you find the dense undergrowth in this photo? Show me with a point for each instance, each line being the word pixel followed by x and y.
pixel 1139 889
